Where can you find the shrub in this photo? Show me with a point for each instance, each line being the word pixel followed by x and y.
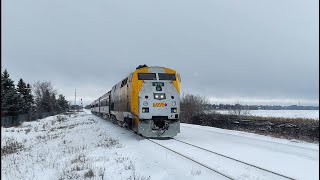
pixel 89 174
pixel 290 128
pixel 190 106
pixel 10 146
pixel 61 118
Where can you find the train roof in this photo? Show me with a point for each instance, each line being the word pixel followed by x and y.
pixel 153 67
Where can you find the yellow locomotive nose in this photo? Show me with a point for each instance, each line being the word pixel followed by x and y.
pixel 144 101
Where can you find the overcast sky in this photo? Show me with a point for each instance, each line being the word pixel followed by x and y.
pixel 261 52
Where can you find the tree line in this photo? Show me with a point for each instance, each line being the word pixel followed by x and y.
pixel 257 107
pixel 26 99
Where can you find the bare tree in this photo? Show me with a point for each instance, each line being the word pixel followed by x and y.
pixel 41 90
pixel 70 105
pixel 191 106
pixel 239 109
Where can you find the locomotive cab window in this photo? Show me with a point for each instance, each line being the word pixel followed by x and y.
pixel 167 76
pixel 147 76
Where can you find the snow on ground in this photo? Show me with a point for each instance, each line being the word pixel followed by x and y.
pixel 63 147
pixel 312 114
pixel 84 145
pixel 295 159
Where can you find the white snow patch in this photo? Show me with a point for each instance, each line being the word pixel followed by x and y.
pixel 83 145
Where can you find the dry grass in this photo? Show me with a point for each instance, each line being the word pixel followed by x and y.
pixel 80 158
pixel 128 166
pixel 89 174
pixel 195 172
pixel 61 118
pixel 27 130
pixel 108 142
pixel 10 146
pixel 121 159
pixel 290 128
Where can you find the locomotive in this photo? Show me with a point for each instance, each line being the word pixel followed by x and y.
pixel 146 101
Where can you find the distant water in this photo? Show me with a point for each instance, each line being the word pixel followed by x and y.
pixel 314 114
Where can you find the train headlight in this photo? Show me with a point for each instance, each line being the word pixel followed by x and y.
pixel 173 110
pixel 159 96
pixel 174 103
pixel 145 103
pixel 145 110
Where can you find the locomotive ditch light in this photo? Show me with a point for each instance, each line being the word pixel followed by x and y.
pixel 173 110
pixel 145 110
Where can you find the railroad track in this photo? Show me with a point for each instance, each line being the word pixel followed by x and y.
pixel 201 164
pixel 220 155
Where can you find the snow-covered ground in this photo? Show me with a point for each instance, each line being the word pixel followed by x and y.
pixel 313 114
pixel 84 145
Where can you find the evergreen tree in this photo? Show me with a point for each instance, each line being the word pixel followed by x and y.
pixel 63 103
pixel 7 84
pixel 54 103
pixel 11 101
pixel 45 103
pixel 21 89
pixel 2 94
pixel 28 97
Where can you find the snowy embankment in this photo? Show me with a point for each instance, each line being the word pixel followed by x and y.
pixel 83 145
pixel 64 147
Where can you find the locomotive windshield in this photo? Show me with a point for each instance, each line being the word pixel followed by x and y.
pixel 147 76
pixel 166 76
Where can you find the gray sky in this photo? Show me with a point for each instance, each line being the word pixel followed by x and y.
pixel 261 52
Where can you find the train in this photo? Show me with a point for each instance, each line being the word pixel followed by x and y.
pixel 146 101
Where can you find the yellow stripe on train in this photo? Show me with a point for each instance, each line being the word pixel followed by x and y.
pixel 158 104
